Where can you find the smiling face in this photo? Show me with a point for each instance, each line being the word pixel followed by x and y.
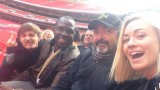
pixel 64 32
pixel 48 35
pixel 88 37
pixel 141 46
pixel 105 39
pixel 29 39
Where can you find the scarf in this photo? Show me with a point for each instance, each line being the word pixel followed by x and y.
pixel 98 56
pixel 51 57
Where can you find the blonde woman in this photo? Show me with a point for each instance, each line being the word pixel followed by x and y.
pixel 136 65
pixel 47 34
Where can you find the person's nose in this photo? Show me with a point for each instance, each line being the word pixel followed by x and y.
pixel 64 32
pixel 101 36
pixel 27 37
pixel 131 43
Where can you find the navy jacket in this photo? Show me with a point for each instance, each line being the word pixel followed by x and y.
pixel 86 73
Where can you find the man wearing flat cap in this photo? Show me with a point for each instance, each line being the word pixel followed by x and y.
pixel 91 68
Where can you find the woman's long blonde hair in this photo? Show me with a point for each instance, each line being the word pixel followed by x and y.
pixel 45 31
pixel 121 69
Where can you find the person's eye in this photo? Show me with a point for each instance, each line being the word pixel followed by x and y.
pixel 91 35
pixel 23 35
pixel 141 36
pixel 69 31
pixel 96 31
pixel 32 35
pixel 108 30
pixel 60 29
pixel 125 41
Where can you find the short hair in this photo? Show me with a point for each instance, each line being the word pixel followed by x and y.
pixel 121 69
pixel 77 35
pixel 64 17
pixel 82 37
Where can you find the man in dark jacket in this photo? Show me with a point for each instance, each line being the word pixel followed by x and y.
pixel 54 59
pixel 22 52
pixel 91 69
pixel 88 39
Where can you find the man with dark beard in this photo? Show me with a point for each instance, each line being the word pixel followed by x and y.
pixel 91 69
pixel 54 59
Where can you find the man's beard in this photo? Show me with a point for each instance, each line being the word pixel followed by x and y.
pixel 102 51
pixel 105 50
pixel 99 54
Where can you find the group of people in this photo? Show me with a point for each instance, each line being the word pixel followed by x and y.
pixel 115 55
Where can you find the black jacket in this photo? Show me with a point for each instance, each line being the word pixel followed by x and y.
pixel 22 60
pixel 140 84
pixel 82 48
pixel 86 73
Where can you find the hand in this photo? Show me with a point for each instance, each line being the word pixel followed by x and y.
pixel 11 42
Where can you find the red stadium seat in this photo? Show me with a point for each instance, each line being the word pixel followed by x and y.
pixel 2 51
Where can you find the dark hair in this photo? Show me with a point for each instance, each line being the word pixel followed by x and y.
pixel 82 37
pixel 76 35
pixel 64 17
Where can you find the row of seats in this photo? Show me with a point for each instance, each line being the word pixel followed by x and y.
pixel 20 13
pixel 28 15
pixel 82 17
pixel 64 4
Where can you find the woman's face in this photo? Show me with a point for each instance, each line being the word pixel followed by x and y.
pixel 141 46
pixel 48 35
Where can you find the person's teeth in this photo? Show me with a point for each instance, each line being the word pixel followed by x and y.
pixel 133 53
